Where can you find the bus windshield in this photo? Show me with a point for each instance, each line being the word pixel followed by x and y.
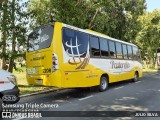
pixel 40 38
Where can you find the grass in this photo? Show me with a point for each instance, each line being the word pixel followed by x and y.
pixel 23 85
pixel 149 70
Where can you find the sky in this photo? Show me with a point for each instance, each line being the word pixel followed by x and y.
pixel 152 4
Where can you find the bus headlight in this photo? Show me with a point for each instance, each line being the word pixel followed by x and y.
pixel 12 79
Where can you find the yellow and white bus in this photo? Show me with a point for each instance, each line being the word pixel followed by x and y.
pixel 69 57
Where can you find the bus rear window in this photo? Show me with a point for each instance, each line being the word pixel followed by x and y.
pixel 40 38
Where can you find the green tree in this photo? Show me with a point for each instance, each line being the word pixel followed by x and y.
pixel 148 38
pixel 116 18
pixel 123 14
pixel 4 30
pixel 13 24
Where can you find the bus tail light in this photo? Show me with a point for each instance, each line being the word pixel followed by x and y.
pixel 54 62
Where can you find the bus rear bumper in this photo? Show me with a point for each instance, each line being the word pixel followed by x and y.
pixel 45 80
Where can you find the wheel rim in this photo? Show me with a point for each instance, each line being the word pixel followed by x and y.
pixel 103 84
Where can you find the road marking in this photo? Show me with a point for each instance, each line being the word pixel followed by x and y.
pixel 86 97
pixel 118 87
pixel 138 81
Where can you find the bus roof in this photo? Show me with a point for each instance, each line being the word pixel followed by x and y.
pixel 96 34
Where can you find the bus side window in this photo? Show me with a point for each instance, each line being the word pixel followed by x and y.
pixel 94 42
pixel 104 47
pixel 135 53
pixel 112 49
pixel 75 43
pixel 119 50
pixel 130 54
pixel 139 56
pixel 124 51
pixel 82 42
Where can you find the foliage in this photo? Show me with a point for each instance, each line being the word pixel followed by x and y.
pixel 13 22
pixel 116 18
pixel 148 38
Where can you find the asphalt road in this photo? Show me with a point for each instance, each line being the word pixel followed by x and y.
pixel 143 95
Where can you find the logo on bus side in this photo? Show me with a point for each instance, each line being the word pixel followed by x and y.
pixel 83 62
pixel 119 65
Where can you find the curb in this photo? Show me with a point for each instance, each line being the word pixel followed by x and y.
pixel 41 92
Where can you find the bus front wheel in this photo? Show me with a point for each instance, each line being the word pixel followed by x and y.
pixel 103 84
pixel 135 79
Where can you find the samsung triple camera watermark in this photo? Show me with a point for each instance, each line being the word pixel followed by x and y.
pixel 25 110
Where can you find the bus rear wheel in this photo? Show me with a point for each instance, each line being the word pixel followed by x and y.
pixel 103 84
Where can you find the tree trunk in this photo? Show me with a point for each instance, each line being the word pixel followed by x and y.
pixel 4 34
pixel 90 26
pixel 11 63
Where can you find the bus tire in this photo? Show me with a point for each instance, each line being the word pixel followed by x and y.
pixel 103 84
pixel 135 79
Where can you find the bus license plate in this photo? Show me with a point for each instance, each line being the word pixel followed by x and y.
pixel 31 70
pixel 39 81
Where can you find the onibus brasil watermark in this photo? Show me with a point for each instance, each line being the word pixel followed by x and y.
pixel 25 110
